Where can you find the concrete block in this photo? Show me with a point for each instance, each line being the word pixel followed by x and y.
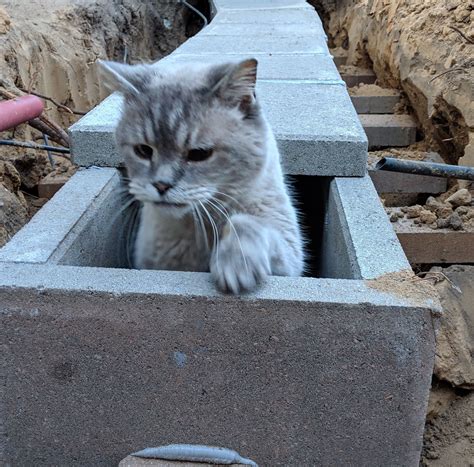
pixel 249 45
pixel 277 30
pixel 92 137
pixel 317 132
pixel 162 357
pixel 389 130
pixel 296 16
pixel 317 69
pixel 375 104
pixel 258 4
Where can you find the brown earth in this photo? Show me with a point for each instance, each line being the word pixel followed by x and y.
pixel 423 47
pixel 50 47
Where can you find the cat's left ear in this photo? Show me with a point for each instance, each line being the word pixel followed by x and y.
pixel 122 77
pixel 236 85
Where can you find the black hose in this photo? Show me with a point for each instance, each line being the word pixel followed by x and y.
pixel 42 147
pixel 431 169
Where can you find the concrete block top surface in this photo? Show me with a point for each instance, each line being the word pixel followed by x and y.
pixel 299 87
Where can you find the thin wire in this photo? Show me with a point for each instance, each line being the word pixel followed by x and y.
pixel 204 19
pixel 21 144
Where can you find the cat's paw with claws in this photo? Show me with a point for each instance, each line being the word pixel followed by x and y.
pixel 240 261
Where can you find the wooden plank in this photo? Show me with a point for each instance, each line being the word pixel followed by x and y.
pixel 375 104
pixel 422 245
pixel 389 130
pixel 361 76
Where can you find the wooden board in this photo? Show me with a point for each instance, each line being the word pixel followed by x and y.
pixel 423 245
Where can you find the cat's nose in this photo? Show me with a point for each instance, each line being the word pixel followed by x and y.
pixel 162 187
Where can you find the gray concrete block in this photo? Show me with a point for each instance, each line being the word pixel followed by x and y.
pixel 296 16
pixel 375 104
pixel 61 218
pixel 277 30
pixel 258 4
pixel 318 132
pixel 373 252
pixel 389 130
pixel 117 360
pixel 92 137
pixel 317 69
pixel 250 45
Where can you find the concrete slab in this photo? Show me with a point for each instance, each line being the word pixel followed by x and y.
pixel 375 104
pixel 251 366
pixel 277 30
pixel 389 130
pixel 258 4
pixel 318 133
pixel 266 45
pixel 317 69
pixel 297 16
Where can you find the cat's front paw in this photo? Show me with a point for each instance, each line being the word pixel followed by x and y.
pixel 240 262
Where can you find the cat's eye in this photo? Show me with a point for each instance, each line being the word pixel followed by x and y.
pixel 143 151
pixel 198 155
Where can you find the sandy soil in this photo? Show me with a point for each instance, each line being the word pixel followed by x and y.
pixel 371 90
pixel 423 47
pixel 50 47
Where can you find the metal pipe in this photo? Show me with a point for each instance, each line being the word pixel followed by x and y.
pixel 431 169
pixel 19 110
pixel 42 147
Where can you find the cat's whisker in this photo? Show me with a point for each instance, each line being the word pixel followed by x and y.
pixel 122 209
pixel 230 197
pixel 215 230
pixel 130 235
pixel 201 223
pixel 226 215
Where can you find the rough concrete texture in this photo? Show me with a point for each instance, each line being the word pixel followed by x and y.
pixel 94 376
pixel 309 128
pixel 375 104
pixel 314 69
pixel 316 126
pixel 389 130
pixel 63 215
pixel 222 45
pixel 367 253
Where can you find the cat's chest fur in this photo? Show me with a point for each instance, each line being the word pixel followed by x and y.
pixel 169 243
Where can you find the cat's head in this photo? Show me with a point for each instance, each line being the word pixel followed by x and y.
pixel 188 133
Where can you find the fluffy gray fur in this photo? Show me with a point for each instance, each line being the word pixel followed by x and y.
pixel 229 213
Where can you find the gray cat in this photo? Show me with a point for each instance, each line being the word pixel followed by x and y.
pixel 204 163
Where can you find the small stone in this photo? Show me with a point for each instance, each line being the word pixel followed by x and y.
pixel 432 204
pixel 416 221
pixel 444 211
pixel 442 223
pixel 461 197
pixel 455 221
pixel 399 214
pixel 462 210
pixel 413 211
pixel 427 217
pixel 393 217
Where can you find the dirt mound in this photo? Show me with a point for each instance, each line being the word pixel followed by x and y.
pixel 423 47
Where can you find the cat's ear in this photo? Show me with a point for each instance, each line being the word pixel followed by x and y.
pixel 235 83
pixel 122 77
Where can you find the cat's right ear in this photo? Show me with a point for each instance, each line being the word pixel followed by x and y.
pixel 120 76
